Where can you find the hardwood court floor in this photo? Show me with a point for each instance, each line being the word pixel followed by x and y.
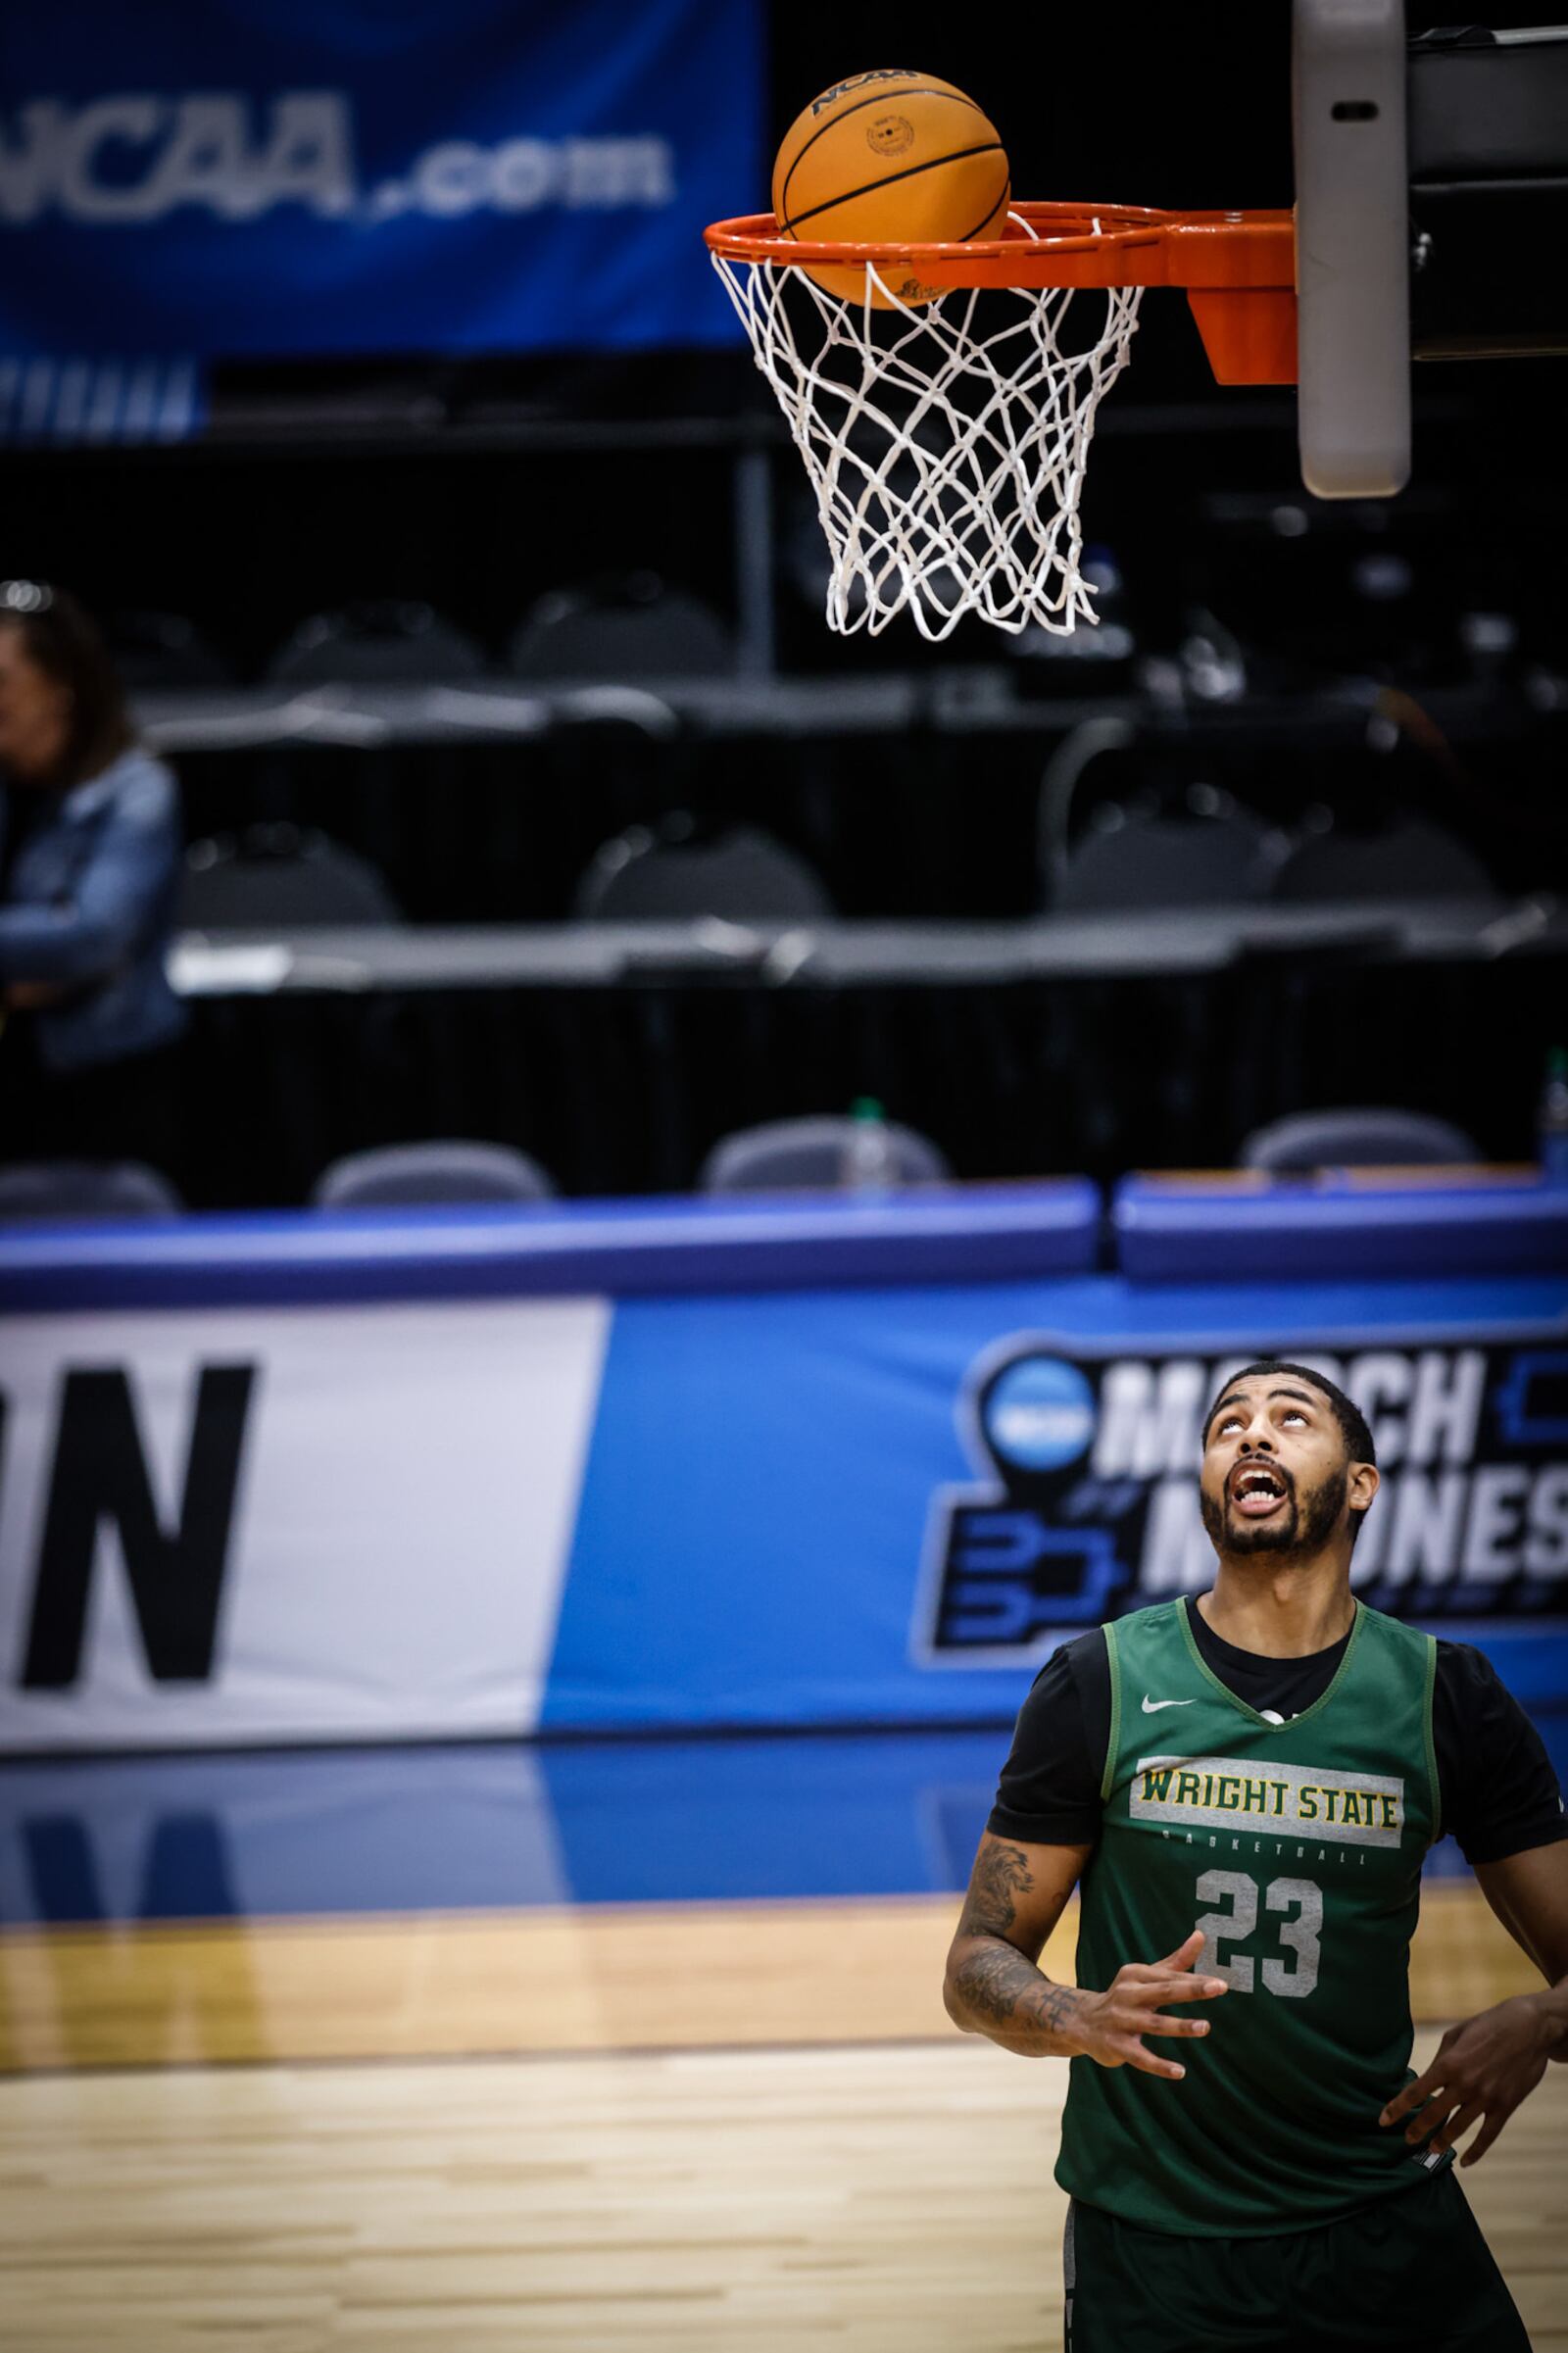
pixel 894 2199
pixel 600 1978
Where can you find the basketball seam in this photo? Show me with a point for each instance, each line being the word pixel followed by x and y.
pixel 985 219
pixel 823 129
pixel 909 171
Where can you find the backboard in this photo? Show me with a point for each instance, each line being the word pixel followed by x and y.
pixel 1430 180
pixel 1352 290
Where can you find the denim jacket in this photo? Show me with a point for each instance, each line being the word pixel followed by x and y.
pixel 89 905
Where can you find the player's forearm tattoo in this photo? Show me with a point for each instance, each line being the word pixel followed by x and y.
pixel 999 1872
pixel 998 1983
pixel 992 1978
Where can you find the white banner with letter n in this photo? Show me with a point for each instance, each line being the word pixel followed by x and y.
pixel 237 1525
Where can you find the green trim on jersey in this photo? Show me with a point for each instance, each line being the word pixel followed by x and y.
pixel 1114 1739
pixel 1433 1782
pixel 1297 1848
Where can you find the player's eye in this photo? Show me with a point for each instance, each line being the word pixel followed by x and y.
pixel 1293 1414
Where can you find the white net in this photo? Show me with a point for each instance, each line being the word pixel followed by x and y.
pixel 946 443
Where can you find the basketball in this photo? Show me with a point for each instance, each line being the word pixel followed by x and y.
pixel 890 155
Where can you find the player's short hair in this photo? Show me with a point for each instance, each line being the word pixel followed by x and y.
pixel 1353 1426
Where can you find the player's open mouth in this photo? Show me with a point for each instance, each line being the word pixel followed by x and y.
pixel 1256 1490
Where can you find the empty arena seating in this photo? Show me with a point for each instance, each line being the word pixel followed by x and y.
pixel 1371 1138
pixel 783 1154
pixel 402 1176
pixel 679 869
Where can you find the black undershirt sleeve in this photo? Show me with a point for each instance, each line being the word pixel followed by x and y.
pixel 1049 1795
pixel 1499 1792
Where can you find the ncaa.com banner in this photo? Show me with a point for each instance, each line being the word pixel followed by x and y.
pixel 330 177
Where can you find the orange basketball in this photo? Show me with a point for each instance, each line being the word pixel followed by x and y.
pixel 890 155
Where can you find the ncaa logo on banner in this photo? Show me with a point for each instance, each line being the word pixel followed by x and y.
pixel 1086 1502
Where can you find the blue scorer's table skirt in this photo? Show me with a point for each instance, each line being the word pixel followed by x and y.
pixel 626 1466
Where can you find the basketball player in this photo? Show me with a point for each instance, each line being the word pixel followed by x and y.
pixel 1245 1786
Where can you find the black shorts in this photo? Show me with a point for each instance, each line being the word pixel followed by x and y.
pixel 1410 2274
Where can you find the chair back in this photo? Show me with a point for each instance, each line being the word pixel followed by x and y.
pixel 385 644
pixel 276 876
pixel 1409 860
pixel 1382 1137
pixel 1133 862
pixel 85 1189
pixel 631 628
pixel 673 872
pixel 409 1176
pixel 787 1155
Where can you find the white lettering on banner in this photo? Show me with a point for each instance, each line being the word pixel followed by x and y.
pixel 1487 1524
pixel 1378 1381
pixel 458 176
pixel 604 174
pixel 207 162
pixel 310 155
pixel 1439 1516
pixel 1426 1510
pixel 377 1505
pixel 1497 1496
pixel 113 123
pixel 135 158
pixel 1547 1552
pixel 1471 1512
pixel 1446 1406
pixel 1150 1417
pixel 138 158
pixel 1178 1557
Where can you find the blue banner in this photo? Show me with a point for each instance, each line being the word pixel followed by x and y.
pixel 892 1507
pixel 335 178
pixel 612 1467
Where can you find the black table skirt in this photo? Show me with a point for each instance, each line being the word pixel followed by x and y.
pixel 623 1090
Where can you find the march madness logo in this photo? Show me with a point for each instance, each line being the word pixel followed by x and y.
pixel 1087 1504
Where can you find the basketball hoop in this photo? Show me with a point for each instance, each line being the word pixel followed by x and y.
pixel 946 428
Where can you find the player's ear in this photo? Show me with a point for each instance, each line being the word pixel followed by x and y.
pixel 1363 1484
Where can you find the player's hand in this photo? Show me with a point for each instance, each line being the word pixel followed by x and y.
pixel 1113 2024
pixel 1484 2068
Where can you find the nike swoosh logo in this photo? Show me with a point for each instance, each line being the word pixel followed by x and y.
pixel 1151 1707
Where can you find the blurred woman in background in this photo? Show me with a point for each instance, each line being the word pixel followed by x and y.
pixel 89 865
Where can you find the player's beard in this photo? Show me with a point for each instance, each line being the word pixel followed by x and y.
pixel 1300 1532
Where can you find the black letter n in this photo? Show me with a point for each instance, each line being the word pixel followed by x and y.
pixel 100 1474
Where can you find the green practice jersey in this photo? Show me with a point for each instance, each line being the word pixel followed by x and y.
pixel 1297 1848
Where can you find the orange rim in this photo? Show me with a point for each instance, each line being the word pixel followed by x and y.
pixel 1064 245
pixel 1237 268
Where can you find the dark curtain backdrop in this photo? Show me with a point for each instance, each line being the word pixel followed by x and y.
pixel 624 1091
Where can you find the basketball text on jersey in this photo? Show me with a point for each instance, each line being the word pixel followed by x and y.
pixel 1087 1502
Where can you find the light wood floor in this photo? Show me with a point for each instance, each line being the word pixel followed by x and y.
pixel 870 2184
pixel 623 1976
pixel 890 2198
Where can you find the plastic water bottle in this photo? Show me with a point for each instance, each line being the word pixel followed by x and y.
pixel 870 1163
pixel 1551 1118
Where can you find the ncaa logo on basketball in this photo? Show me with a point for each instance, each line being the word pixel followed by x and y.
pixel 1085 1502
